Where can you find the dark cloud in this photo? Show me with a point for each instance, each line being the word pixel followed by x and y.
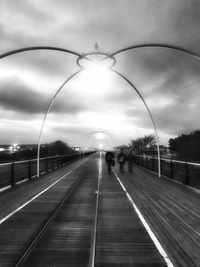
pixel 175 118
pixel 55 64
pixel 19 97
pixel 157 73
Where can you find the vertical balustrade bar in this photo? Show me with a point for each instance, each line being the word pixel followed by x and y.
pixel 29 169
pixel 12 174
pixel 57 161
pixel 47 169
pixel 161 167
pixel 40 168
pixel 187 174
pixel 172 169
pixel 52 163
pixel 153 165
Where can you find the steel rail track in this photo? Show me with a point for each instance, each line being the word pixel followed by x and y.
pixel 55 213
pixel 94 240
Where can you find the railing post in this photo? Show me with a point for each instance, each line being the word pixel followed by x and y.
pixel 187 174
pixel 12 174
pixel 29 169
pixel 47 169
pixel 52 161
pixel 39 167
pixel 172 169
pixel 57 161
pixel 152 164
pixel 160 166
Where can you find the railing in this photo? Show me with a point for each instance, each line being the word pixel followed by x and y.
pixel 185 172
pixel 20 171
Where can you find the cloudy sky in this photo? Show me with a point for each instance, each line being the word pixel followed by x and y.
pixel 168 80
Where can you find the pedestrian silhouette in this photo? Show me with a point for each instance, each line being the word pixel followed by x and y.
pixel 109 157
pixel 130 160
pixel 121 160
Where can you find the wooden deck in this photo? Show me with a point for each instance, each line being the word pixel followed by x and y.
pixel 19 230
pixel 121 238
pixel 12 198
pixel 67 241
pixel 171 209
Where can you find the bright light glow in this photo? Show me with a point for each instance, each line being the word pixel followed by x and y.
pixel 95 80
pixel 100 146
pixel 100 136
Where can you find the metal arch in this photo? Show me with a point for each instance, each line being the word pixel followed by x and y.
pixel 111 55
pixel 173 47
pixel 85 56
pixel 99 141
pixel 85 139
pixel 96 141
pixel 114 139
pixel 25 49
pixel 45 116
pixel 33 48
pixel 149 112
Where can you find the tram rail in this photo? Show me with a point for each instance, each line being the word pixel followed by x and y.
pixel 93 224
pixel 27 252
pixel 26 258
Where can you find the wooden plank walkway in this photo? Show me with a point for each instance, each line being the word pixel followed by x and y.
pixel 121 238
pixel 19 230
pixel 12 198
pixel 67 240
pixel 171 209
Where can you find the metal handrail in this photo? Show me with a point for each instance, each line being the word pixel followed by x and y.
pixel 35 159
pixel 10 175
pixel 169 160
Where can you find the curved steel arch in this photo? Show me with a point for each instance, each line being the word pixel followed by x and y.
pixel 85 139
pixel 147 45
pixel 173 47
pixel 33 48
pixel 100 141
pixel 149 112
pixel 25 49
pixel 45 116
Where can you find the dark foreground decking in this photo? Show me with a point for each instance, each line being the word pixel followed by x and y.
pixel 171 210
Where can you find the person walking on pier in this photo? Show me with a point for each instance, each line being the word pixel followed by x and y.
pixel 109 160
pixel 121 159
pixel 130 159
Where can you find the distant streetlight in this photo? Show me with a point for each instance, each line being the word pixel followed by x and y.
pixel 14 148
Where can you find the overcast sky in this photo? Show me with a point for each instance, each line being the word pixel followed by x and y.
pixel 168 80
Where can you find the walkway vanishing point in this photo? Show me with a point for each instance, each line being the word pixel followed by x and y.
pixel 79 215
